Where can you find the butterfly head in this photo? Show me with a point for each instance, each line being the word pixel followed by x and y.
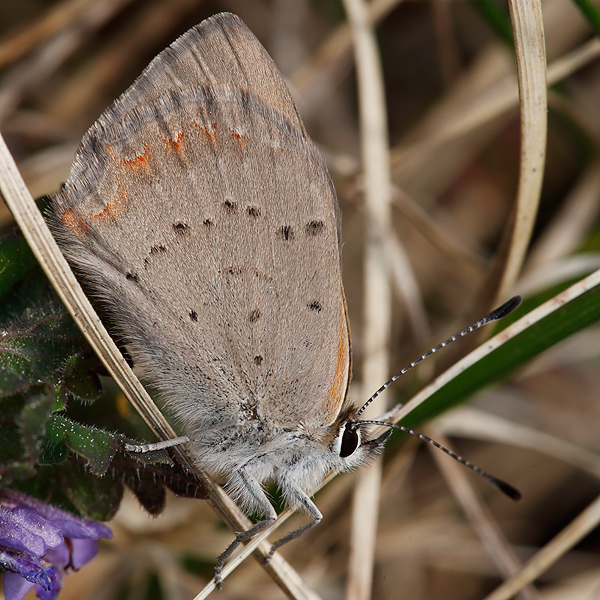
pixel 352 445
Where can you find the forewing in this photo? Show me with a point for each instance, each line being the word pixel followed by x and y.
pixel 199 211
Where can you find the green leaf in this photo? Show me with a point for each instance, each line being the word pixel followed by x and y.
pixel 16 260
pixel 23 417
pixel 95 497
pixel 84 385
pixel 33 419
pixel 96 446
pixel 36 345
pixel 570 318
pixel 54 448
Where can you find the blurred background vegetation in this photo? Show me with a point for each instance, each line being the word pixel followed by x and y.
pixel 445 62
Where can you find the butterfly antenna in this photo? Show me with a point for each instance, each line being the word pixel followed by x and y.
pixel 504 487
pixel 495 315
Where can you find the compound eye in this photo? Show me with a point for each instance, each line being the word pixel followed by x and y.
pixel 350 440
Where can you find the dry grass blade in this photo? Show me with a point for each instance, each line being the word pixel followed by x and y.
pixel 44 247
pixel 523 323
pixel 573 61
pixel 494 101
pixel 495 544
pixel 473 100
pixel 294 586
pixel 377 296
pixel 324 68
pixel 557 272
pixel 448 245
pixel 406 285
pixel 449 55
pixel 528 33
pixel 477 424
pixel 586 522
pixel 572 223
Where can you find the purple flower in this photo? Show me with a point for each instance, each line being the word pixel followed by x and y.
pixel 38 543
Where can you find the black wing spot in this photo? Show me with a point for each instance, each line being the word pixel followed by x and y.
pixel 254 315
pixel 158 249
pixel 230 206
pixel 286 232
pixel 131 277
pixel 245 98
pixel 193 315
pixel 258 360
pixel 181 228
pixel 253 211
pixel 315 305
pixel 207 223
pixel 314 227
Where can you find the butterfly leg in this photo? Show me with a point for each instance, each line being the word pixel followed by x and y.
pixel 257 492
pixel 143 448
pixel 301 497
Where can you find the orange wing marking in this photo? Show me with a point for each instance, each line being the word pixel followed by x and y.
pixel 176 143
pixel 337 391
pixel 112 209
pixel 209 132
pixel 71 220
pixel 240 138
pixel 139 161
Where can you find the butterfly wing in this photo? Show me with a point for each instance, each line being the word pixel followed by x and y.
pixel 200 213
